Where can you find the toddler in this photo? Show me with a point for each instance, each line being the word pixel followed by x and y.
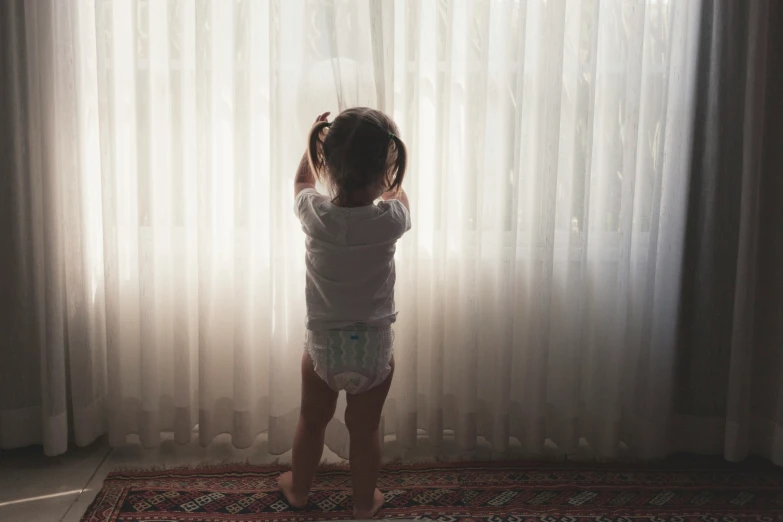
pixel 349 292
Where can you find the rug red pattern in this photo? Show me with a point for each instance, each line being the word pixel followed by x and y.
pixel 450 492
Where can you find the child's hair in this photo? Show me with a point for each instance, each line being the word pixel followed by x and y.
pixel 360 150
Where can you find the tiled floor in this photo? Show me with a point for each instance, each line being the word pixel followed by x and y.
pixel 36 488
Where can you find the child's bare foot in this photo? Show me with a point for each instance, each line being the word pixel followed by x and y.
pixel 367 514
pixel 286 484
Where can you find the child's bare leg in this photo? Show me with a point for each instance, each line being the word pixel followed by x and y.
pixel 363 417
pixel 318 404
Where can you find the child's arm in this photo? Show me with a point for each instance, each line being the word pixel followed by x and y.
pixel 399 195
pixel 305 178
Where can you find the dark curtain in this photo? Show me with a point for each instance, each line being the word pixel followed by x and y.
pixel 731 356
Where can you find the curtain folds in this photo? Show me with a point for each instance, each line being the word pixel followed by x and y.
pixel 547 297
pixel 730 391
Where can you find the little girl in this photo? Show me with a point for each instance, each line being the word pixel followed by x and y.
pixel 349 291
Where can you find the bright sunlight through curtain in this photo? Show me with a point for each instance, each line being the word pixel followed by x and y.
pixel 538 290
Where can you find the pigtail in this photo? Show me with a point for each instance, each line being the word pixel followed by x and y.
pixel 400 164
pixel 315 149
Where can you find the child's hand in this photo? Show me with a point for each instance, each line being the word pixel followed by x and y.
pixel 322 117
pixel 399 195
pixel 305 178
pixel 391 194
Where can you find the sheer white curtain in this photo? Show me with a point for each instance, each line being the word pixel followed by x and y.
pixel 162 266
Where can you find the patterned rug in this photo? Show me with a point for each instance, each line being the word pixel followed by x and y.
pixel 492 492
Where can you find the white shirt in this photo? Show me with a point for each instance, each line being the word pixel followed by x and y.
pixel 350 260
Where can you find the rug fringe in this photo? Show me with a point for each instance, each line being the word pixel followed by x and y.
pixel 330 466
pixel 400 462
pixel 325 466
pixel 201 466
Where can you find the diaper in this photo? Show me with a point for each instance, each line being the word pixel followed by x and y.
pixel 354 359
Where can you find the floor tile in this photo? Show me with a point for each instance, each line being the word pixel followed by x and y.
pixel 34 487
